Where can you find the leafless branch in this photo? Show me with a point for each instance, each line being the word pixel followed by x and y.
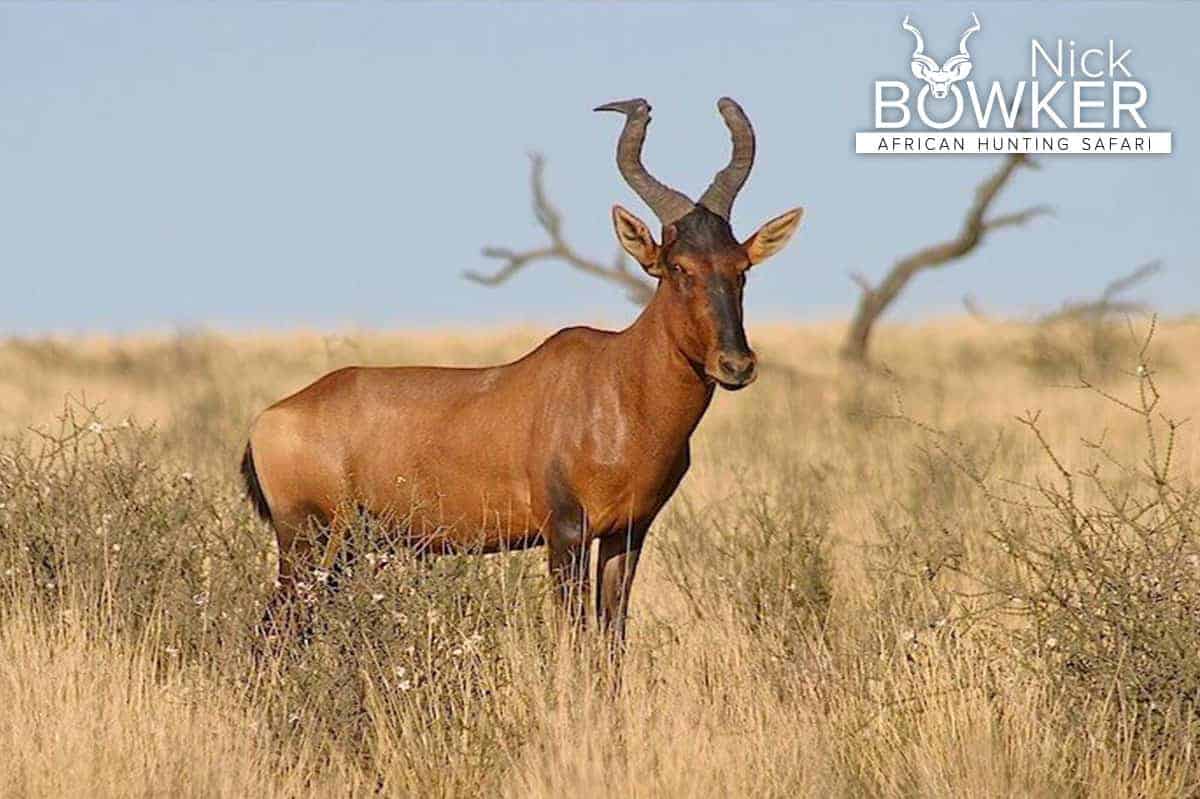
pixel 636 288
pixel 874 300
pixel 1109 302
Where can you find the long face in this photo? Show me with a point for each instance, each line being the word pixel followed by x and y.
pixel 701 270
pixel 704 275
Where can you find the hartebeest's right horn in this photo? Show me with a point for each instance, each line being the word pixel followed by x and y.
pixel 667 204
pixel 720 195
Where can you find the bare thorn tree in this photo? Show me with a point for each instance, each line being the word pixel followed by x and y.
pixel 1109 302
pixel 636 288
pixel 875 299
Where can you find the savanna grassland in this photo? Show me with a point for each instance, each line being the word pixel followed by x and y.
pixel 972 572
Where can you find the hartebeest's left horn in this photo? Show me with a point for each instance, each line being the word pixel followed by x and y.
pixel 719 196
pixel 667 204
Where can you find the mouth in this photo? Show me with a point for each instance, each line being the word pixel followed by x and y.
pixel 733 385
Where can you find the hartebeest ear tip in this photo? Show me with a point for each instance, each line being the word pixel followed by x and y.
pixel 622 215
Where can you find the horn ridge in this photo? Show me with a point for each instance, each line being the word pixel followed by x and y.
pixel 723 190
pixel 667 204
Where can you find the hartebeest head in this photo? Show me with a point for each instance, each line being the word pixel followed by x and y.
pixel 700 265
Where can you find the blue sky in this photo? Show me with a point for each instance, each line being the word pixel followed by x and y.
pixel 323 165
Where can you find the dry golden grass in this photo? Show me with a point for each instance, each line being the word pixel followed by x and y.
pixel 806 622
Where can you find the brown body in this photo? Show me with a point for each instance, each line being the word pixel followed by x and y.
pixel 583 439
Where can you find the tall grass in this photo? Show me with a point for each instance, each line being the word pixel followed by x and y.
pixel 987 590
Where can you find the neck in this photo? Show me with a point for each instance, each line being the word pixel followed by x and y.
pixel 670 388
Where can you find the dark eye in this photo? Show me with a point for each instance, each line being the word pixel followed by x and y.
pixel 681 274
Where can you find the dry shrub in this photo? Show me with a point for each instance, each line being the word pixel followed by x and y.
pixel 94 510
pixel 408 658
pixel 1062 349
pixel 1093 573
pixel 765 555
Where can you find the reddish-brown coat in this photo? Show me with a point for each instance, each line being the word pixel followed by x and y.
pixel 582 440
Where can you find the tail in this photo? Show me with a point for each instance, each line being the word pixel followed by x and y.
pixel 253 487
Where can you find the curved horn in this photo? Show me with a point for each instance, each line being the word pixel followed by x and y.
pixel 962 45
pixel 667 204
pixel 721 193
pixel 916 35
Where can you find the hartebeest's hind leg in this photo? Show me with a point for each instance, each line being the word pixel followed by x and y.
pixel 615 571
pixel 296 533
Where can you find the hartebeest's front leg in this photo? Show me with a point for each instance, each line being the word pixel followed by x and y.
pixel 568 544
pixel 615 571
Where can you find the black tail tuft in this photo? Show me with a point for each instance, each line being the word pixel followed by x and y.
pixel 253 488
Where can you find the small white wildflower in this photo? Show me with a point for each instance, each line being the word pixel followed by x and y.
pixel 321 576
pixel 457 651
pixel 116 547
pixel 404 685
pixel 377 597
pixel 1141 370
pixel 187 477
pixel 9 572
pixel 1051 642
pixel 95 427
pixel 201 599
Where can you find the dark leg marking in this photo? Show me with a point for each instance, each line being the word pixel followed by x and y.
pixel 568 543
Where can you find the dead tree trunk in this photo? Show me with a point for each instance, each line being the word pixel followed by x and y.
pixel 875 300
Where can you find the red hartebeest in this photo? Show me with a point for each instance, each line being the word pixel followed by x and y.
pixel 584 439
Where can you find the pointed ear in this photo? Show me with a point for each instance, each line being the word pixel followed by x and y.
pixel 771 237
pixel 636 239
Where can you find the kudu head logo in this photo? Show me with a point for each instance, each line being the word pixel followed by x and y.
pixel 957 66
